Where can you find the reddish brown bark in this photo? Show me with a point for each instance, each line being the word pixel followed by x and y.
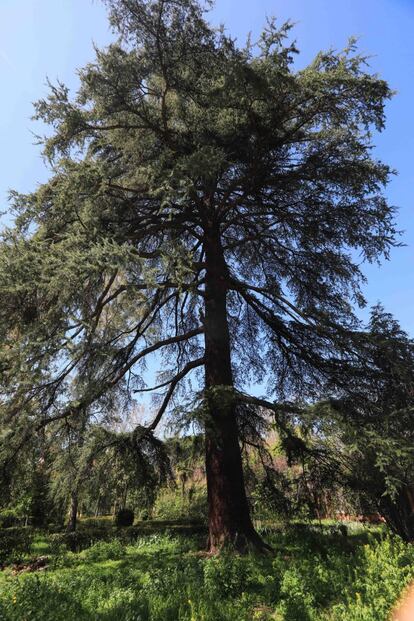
pixel 230 523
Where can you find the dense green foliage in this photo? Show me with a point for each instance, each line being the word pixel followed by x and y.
pixel 362 439
pixel 313 575
pixel 15 543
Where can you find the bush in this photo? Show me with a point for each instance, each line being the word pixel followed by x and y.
pixel 383 570
pixel 226 575
pixel 8 518
pixel 105 551
pixel 14 544
pixel 35 599
pixel 170 504
pixel 124 517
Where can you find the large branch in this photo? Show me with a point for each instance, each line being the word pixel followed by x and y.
pixel 155 347
pixel 284 304
pixel 277 409
pixel 188 367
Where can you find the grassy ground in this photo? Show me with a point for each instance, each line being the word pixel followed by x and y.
pixel 312 575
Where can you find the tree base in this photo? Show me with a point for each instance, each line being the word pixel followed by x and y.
pixel 240 542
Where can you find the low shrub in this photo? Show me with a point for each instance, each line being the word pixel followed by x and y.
pixel 170 504
pixel 15 543
pixel 124 517
pixel 226 575
pixel 382 571
pixel 104 551
pixel 8 518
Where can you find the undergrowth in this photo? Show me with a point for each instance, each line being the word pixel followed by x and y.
pixel 310 576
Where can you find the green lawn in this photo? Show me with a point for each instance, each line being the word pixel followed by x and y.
pixel 310 576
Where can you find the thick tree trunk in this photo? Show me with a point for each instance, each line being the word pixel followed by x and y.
pixel 229 516
pixel 73 513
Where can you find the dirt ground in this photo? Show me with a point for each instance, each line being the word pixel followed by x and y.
pixel 405 609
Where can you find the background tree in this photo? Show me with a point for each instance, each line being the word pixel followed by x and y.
pixel 207 203
pixel 375 423
pixel 104 465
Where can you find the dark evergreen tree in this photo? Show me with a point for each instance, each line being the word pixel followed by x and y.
pixel 377 422
pixel 208 203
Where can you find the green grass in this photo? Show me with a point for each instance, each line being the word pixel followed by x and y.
pixel 313 575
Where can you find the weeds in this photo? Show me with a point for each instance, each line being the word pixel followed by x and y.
pixel 312 576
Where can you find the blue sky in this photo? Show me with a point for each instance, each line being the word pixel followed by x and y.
pixel 51 38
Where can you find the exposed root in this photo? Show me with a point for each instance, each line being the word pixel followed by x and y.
pixel 239 543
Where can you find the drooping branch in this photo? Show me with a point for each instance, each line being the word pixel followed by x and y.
pixel 173 384
pixel 155 347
